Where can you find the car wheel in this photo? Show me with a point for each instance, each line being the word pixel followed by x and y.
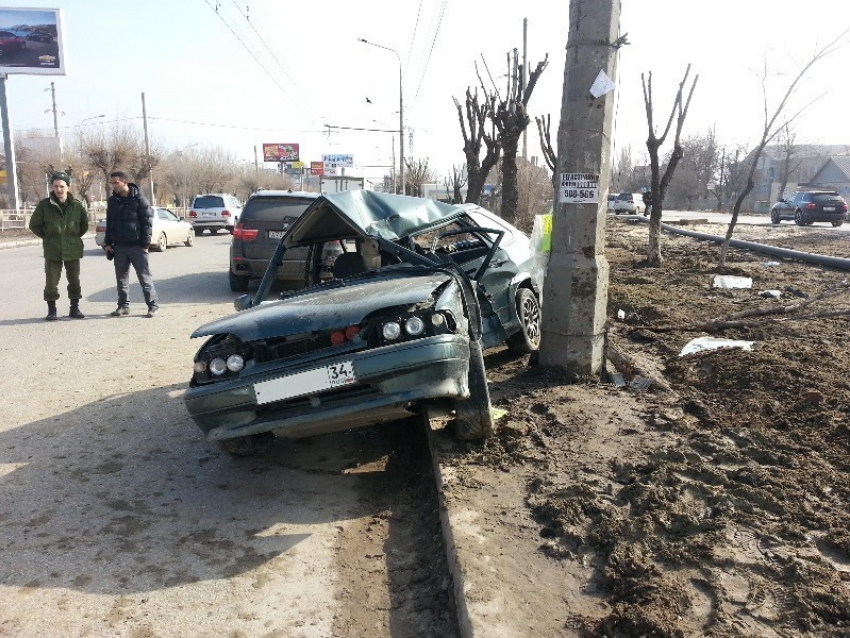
pixel 836 224
pixel 247 445
pixel 190 238
pixel 237 283
pixel 798 218
pixel 473 419
pixel 229 229
pixel 774 217
pixel 528 312
pixel 161 243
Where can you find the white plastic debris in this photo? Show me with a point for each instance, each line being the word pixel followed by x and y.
pixel 731 281
pixel 770 294
pixel 712 343
pixel 621 314
pixel 768 264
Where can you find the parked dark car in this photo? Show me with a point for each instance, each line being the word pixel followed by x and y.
pixel 266 217
pixel 807 207
pixel 11 42
pixel 403 324
pixel 41 36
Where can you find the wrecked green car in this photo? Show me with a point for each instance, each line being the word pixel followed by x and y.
pixel 421 289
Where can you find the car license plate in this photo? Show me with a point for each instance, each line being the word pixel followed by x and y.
pixel 209 214
pixel 276 234
pixel 309 382
pixel 829 209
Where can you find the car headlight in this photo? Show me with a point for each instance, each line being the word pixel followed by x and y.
pixel 235 363
pixel 391 330
pixel 218 366
pixel 414 326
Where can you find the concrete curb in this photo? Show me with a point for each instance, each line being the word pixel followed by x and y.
pixel 452 558
pixel 20 243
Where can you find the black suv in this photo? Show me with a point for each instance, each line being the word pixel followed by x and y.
pixel 264 220
pixel 807 207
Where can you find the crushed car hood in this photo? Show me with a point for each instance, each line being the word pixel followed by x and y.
pixel 327 308
pixel 361 212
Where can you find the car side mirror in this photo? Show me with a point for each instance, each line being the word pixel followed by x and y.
pixel 243 302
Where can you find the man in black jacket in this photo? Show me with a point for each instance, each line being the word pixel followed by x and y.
pixel 129 227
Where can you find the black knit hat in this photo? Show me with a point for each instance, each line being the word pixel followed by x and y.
pixel 63 176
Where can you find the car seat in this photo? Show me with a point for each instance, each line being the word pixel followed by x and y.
pixel 348 264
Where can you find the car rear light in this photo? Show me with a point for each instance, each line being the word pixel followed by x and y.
pixel 225 213
pixel 245 234
pixel 193 213
pixel 844 207
pixel 811 206
pixel 341 336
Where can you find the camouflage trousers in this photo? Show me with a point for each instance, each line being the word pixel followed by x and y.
pixel 52 274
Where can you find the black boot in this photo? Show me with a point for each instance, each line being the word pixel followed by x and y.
pixel 75 310
pixel 51 311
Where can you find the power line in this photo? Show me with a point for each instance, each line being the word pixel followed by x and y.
pixel 256 59
pixel 271 53
pixel 415 30
pixel 230 126
pixel 433 42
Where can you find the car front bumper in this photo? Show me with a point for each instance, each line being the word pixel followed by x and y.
pixel 391 382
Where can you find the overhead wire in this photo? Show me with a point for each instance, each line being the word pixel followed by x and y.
pixel 431 50
pixel 253 55
pixel 271 53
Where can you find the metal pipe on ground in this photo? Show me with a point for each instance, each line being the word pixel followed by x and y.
pixel 773 251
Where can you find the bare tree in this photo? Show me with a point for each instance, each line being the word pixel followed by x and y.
pixel 549 154
pixel 771 130
pixel 416 174
pixel 698 168
pixel 511 119
pixel 791 161
pixel 659 183
pixel 473 121
pixel 454 182
pixel 535 191
pixel 624 170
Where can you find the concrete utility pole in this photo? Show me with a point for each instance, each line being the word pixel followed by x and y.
pixel 55 111
pixel 148 150
pixel 576 290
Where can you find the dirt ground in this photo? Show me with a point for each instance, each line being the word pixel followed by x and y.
pixel 715 501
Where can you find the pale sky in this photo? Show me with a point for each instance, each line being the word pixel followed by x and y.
pixel 203 87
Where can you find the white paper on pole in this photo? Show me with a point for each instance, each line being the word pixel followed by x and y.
pixel 601 85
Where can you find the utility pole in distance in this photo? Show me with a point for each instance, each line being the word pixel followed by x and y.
pixel 576 292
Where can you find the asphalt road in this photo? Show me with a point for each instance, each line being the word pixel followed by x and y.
pixel 118 519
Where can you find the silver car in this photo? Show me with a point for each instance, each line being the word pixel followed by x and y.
pixel 168 229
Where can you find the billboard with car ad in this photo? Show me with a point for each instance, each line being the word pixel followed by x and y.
pixel 280 153
pixel 31 41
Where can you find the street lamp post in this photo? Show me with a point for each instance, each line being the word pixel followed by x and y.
pixel 400 111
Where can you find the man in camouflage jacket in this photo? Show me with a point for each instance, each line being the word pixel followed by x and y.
pixel 61 221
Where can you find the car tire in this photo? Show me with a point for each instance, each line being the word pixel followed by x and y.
pixel 798 218
pixel 213 231
pixel 190 238
pixel 774 217
pixel 250 445
pixel 527 339
pixel 836 224
pixel 161 243
pixel 238 284
pixel 473 419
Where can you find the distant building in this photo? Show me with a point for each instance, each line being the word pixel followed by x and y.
pixel 834 174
